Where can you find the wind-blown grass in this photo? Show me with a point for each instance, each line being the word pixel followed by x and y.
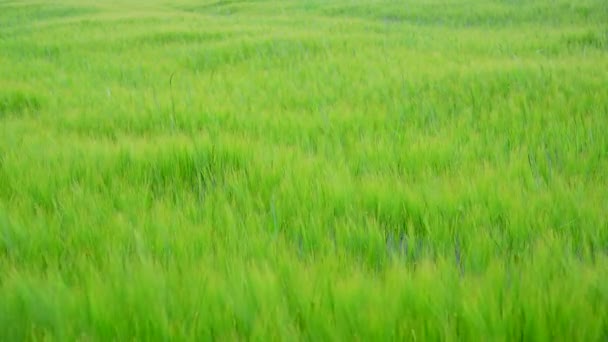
pixel 304 170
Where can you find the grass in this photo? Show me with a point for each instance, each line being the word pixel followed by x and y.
pixel 304 170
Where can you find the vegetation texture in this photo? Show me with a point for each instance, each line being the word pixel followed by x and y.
pixel 304 170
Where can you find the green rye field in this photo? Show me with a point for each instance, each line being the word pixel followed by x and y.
pixel 304 170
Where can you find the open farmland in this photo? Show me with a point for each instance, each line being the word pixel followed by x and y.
pixel 311 170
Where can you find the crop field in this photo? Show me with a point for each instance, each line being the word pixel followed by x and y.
pixel 304 170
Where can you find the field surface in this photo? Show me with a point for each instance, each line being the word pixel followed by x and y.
pixel 313 170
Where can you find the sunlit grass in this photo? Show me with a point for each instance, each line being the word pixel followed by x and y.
pixel 304 170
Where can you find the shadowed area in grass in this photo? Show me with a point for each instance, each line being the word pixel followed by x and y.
pixel 20 13
pixel 17 102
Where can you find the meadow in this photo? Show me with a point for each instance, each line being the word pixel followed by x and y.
pixel 268 170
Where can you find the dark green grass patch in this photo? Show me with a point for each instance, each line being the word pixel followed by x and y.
pixel 20 14
pixel 18 103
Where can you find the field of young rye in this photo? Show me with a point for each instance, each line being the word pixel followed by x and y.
pixel 304 170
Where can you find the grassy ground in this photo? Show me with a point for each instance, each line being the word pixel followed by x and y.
pixel 304 170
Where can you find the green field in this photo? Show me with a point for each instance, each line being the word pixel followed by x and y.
pixel 313 170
